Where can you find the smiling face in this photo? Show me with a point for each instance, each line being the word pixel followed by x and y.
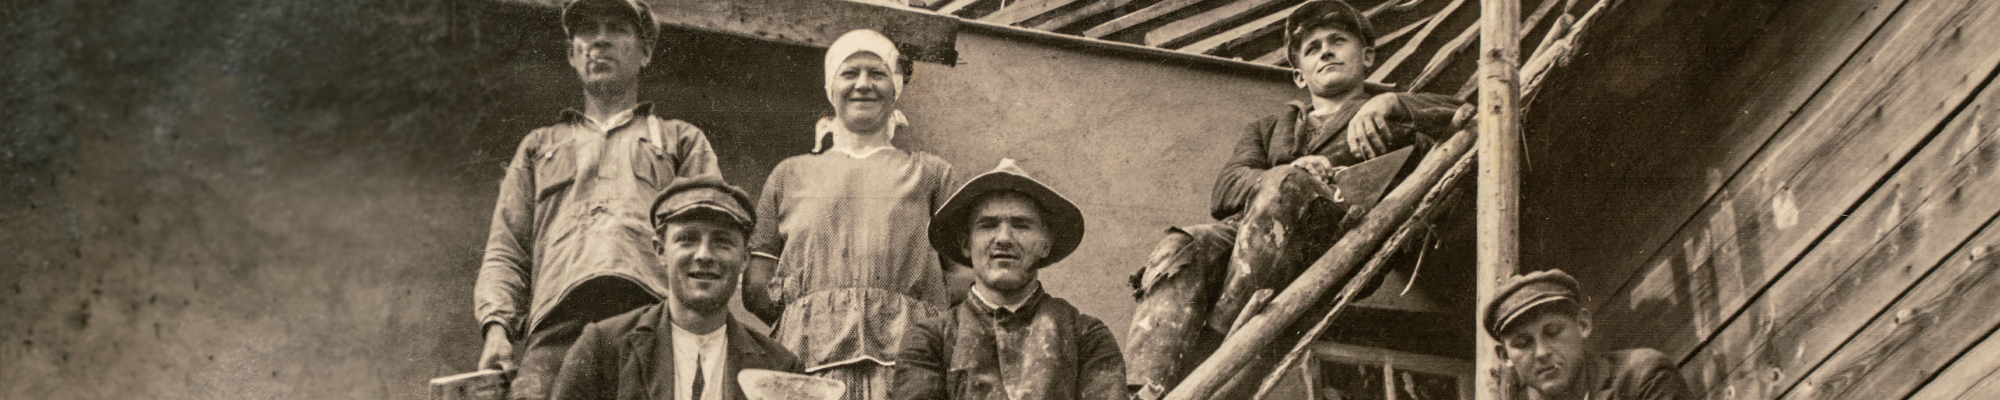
pixel 1331 62
pixel 704 257
pixel 864 94
pixel 1546 349
pixel 1008 239
pixel 606 49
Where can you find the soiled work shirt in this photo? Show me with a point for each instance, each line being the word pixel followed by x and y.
pixel 855 265
pixel 1044 349
pixel 574 206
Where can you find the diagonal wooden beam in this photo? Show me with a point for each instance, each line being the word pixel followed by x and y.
pixel 1244 33
pixel 1383 70
pixel 1087 11
pixel 1185 30
pixel 952 7
pixel 1139 17
pixel 1279 54
pixel 1022 11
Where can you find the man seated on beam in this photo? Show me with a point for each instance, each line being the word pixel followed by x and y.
pixel 688 347
pixel 1544 332
pixel 1271 200
pixel 1009 339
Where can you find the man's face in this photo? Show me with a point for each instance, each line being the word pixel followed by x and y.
pixel 703 257
pixel 1007 240
pixel 1546 350
pixel 864 91
pixel 606 49
pixel 1332 62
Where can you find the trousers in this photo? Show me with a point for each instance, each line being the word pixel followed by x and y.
pixel 1199 279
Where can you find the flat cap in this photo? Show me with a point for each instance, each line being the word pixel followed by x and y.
pixel 637 10
pixel 703 193
pixel 1321 13
pixel 1524 293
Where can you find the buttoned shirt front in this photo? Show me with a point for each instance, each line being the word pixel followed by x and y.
pixel 573 206
pixel 707 349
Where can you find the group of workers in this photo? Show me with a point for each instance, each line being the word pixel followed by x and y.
pixel 616 246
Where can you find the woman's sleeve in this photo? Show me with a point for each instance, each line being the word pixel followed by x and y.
pixel 766 241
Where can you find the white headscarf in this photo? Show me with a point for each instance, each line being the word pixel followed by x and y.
pixel 858 41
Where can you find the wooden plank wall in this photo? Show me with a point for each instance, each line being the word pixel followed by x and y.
pixel 1844 249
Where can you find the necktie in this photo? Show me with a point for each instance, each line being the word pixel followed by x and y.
pixel 695 392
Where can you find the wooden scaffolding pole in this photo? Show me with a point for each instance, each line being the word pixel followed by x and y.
pixel 1330 270
pixel 1499 174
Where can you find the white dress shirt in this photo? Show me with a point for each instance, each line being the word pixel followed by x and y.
pixel 710 347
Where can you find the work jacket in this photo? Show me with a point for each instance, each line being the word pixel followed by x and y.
pixel 631 357
pixel 576 205
pixel 1046 349
pixel 1290 134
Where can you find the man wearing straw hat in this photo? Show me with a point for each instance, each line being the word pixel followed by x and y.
pixel 1009 339
pixel 570 241
pixel 1544 331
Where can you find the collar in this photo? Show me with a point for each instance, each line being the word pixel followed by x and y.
pixel 1034 294
pixel 699 339
pixel 572 115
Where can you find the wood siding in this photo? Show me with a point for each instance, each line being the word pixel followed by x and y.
pixel 1839 246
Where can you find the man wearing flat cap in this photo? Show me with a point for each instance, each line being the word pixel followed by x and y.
pixel 1272 199
pixel 1009 339
pixel 570 241
pixel 689 347
pixel 1543 330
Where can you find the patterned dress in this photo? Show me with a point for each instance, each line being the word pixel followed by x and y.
pixel 855 269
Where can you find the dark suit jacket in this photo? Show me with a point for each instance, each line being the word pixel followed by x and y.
pixel 631 357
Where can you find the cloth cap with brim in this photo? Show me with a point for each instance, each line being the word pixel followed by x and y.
pixel 1323 12
pixel 703 193
pixel 636 10
pixel 1525 293
pixel 952 222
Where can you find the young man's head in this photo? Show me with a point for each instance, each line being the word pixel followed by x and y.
pixel 609 40
pixel 1006 226
pixel 1542 330
pixel 703 228
pixel 1331 47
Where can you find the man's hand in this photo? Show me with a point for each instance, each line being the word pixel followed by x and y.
pixel 1318 166
pixel 499 352
pixel 1368 133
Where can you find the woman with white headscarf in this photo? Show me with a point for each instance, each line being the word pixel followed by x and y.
pixel 841 260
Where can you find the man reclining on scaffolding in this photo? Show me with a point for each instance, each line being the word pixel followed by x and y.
pixel 1271 199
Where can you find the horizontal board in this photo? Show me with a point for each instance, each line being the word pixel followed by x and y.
pixel 1973 376
pixel 1888 99
pixel 1905 228
pixel 1798 50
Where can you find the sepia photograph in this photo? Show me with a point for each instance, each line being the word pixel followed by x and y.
pixel 1000 199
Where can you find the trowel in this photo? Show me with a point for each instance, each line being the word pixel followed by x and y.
pixel 764 384
pixel 1359 186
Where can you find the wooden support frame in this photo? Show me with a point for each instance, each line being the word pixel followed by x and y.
pixel 1138 17
pixel 1388 66
pixel 1338 262
pixel 1180 32
pixel 1499 176
pixel 922 36
pixel 1091 10
pixel 1024 10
